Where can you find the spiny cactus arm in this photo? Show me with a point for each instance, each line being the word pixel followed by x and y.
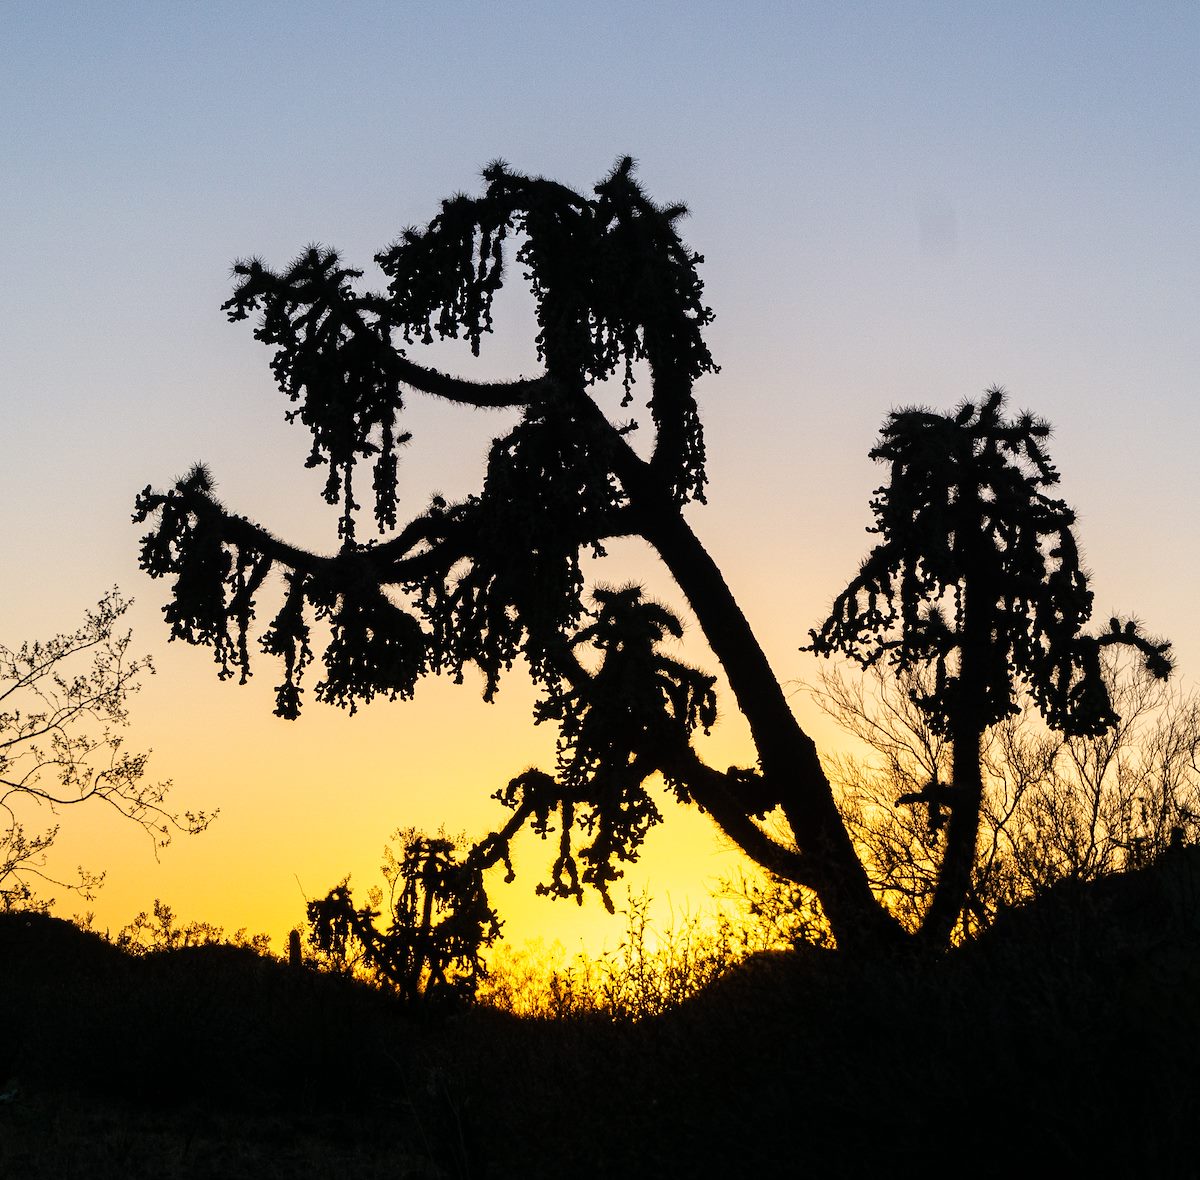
pixel 1155 652
pixel 612 282
pixel 312 305
pixel 495 848
pixel 732 798
pixel 192 496
pixel 243 534
pixel 522 391
pixel 489 395
pixel 189 513
pixel 724 797
pixel 402 558
pixel 219 563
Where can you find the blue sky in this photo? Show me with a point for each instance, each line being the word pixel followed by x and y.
pixel 897 203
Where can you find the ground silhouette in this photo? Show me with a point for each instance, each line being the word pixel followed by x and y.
pixel 1064 1038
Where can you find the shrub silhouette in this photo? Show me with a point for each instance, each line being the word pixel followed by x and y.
pixel 63 704
pixel 1055 806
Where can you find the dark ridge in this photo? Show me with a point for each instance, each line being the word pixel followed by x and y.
pixel 1117 920
pixel 1064 1040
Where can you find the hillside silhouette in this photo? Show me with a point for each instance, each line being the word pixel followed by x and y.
pixel 1066 1036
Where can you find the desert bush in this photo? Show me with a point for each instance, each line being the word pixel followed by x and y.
pixel 652 970
pixel 1055 807
pixel 160 930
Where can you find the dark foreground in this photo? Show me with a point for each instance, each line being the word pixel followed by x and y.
pixel 1069 1039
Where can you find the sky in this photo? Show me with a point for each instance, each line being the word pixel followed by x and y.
pixel 898 204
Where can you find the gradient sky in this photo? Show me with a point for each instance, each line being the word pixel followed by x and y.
pixel 898 203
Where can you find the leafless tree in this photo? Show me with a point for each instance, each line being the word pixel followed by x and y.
pixel 1054 806
pixel 63 705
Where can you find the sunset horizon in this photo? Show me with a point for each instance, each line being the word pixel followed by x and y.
pixel 882 226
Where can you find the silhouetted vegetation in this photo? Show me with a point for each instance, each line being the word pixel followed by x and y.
pixel 63 704
pixel 650 972
pixel 1055 807
pixel 439 924
pixel 976 580
pixel 159 930
pixel 498 576
pixel 1058 1034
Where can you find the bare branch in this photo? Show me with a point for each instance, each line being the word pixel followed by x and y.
pixel 59 747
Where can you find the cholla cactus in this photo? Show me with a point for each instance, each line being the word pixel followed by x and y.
pixel 439 922
pixel 976 583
